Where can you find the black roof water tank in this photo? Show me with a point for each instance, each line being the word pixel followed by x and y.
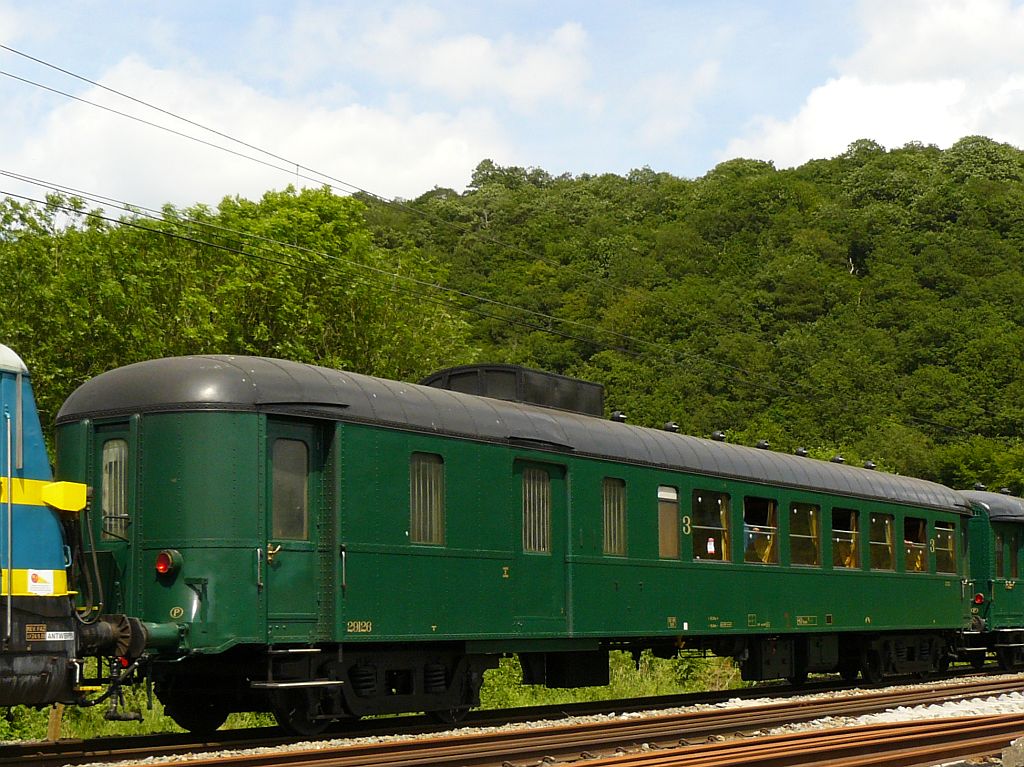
pixel 515 383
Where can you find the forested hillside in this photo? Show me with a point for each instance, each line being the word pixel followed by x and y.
pixel 870 305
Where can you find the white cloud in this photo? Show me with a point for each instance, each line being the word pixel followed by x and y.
pixel 393 153
pixel 936 39
pixel 413 47
pixel 928 70
pixel 668 102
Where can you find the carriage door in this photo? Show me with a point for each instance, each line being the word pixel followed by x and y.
pixel 539 571
pixel 294 494
pixel 112 479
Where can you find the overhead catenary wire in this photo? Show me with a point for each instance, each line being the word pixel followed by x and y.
pixel 302 171
pixel 158 216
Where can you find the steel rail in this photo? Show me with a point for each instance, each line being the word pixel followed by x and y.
pixel 895 744
pixel 569 741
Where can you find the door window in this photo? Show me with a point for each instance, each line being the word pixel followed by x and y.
pixel 114 490
pixel 290 467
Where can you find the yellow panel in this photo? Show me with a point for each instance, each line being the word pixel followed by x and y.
pixel 36 583
pixel 66 496
pixel 26 491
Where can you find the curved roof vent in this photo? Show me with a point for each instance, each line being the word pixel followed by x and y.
pixel 671 426
pixel 837 459
pixel 718 436
pixel 802 452
pixel 618 416
pixel 516 383
pixel 870 465
pixel 763 444
pixel 980 487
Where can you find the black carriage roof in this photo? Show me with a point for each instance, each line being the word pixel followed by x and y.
pixel 998 506
pixel 222 382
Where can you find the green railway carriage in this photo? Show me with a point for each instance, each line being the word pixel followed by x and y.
pixel 996 566
pixel 323 544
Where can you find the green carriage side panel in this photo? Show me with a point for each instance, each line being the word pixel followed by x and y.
pixel 487 579
pixel 396 589
pixel 643 595
pixel 193 480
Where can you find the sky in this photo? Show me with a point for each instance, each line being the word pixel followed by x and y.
pixel 397 98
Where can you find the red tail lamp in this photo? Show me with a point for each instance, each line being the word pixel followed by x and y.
pixel 979 599
pixel 168 562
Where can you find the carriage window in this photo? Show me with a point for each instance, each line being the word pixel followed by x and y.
pixel 945 547
pixel 760 525
pixel 845 538
pixel 668 522
pixel 710 525
pixel 426 498
pixel 536 511
pixel 1000 571
pixel 614 494
pixel 915 544
pixel 883 543
pixel 804 535
pixel 290 489
pixel 114 492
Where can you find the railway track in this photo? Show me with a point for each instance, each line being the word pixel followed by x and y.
pixel 654 735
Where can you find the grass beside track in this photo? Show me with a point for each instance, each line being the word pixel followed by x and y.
pixel 502 689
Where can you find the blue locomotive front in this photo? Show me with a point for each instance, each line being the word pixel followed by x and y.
pixel 44 636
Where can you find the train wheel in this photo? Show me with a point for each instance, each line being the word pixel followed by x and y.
pixel 295 711
pixel 1006 658
pixel 198 716
pixel 871 666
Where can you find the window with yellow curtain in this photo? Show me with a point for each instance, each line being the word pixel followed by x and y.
pixel 710 525
pixel 945 547
pixel 760 530
pixel 804 534
pixel 915 544
pixel 883 544
pixel 845 538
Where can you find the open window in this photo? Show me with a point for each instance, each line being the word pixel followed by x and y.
pixel 915 544
pixel 760 530
pixel 710 525
pixel 845 538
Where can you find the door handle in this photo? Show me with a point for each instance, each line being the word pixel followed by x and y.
pixel 272 551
